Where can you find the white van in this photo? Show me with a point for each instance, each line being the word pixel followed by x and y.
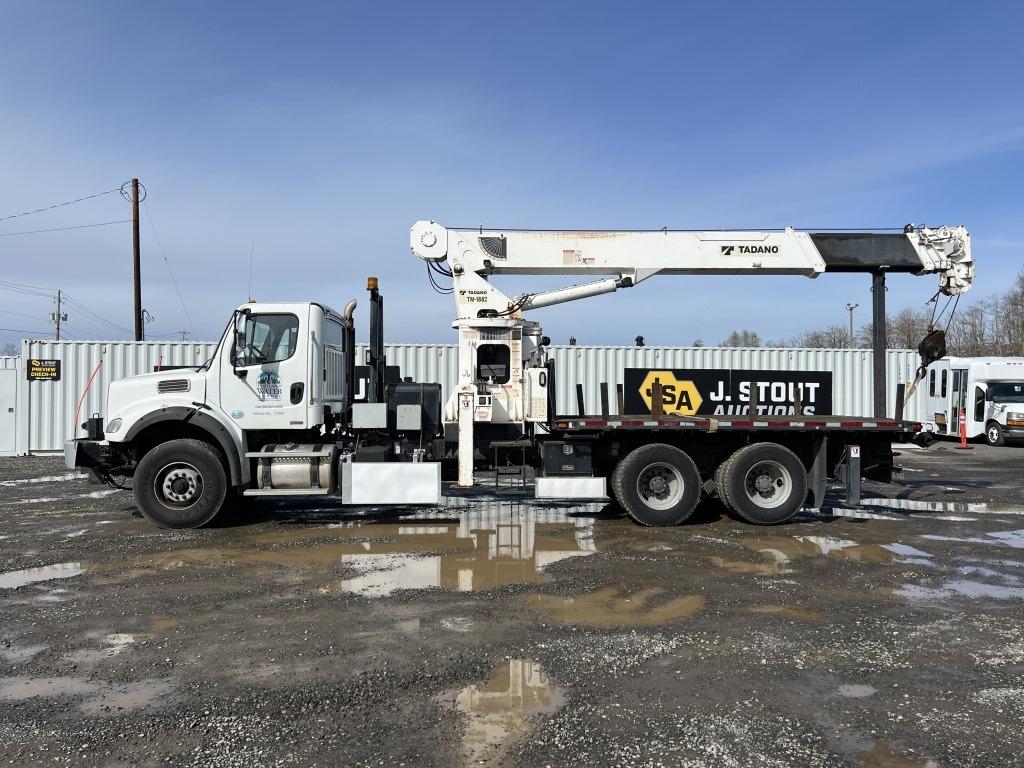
pixel 990 390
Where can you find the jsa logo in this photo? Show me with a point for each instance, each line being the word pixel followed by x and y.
pixel 742 250
pixel 679 397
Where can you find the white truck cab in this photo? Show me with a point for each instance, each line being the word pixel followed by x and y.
pixel 272 412
pixel 988 391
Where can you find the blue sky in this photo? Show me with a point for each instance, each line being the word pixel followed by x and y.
pixel 319 132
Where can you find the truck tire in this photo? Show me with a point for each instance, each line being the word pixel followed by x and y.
pixel 764 483
pixel 616 483
pixel 720 474
pixel 180 484
pixel 994 433
pixel 657 484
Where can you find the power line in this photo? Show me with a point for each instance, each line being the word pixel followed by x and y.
pixel 25 292
pixel 170 271
pixel 22 314
pixel 62 229
pixel 22 330
pixel 26 285
pixel 82 308
pixel 58 205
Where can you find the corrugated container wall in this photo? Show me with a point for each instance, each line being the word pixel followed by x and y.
pixel 851 370
pixel 47 409
pixel 8 362
pixel 51 406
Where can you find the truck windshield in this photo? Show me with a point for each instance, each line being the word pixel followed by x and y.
pixel 1006 392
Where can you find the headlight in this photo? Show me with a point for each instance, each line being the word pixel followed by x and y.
pixel 113 426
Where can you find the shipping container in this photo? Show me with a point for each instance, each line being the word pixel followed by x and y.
pixel 48 410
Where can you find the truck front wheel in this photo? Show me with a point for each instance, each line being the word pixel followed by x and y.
pixel 764 483
pixel 180 484
pixel 657 484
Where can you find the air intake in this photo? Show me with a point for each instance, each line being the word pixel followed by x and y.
pixel 173 385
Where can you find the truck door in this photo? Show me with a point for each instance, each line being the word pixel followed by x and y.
pixel 263 380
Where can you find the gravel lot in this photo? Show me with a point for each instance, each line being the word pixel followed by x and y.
pixel 503 631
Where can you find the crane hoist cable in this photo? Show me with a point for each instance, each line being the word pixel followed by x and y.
pixel 933 345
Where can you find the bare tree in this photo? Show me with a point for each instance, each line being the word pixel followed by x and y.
pixel 831 337
pixel 9 350
pixel 1009 320
pixel 970 332
pixel 742 338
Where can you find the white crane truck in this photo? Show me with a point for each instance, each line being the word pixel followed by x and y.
pixel 273 412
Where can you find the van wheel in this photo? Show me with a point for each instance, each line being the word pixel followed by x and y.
pixel 764 483
pixel 180 484
pixel 657 484
pixel 994 434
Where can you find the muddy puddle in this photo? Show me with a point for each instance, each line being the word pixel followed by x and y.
pixel 498 712
pixel 882 755
pixel 961 588
pixel 968 509
pixel 1014 539
pixel 616 607
pixel 26 576
pixel 95 697
pixel 777 552
pixel 473 550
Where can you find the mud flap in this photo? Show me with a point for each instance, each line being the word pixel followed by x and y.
pixel 817 477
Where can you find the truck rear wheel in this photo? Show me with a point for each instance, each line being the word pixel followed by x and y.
pixel 764 483
pixel 180 484
pixel 657 484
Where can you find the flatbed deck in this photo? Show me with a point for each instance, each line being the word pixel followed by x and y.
pixel 712 424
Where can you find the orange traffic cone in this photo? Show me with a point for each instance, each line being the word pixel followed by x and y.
pixel 963 432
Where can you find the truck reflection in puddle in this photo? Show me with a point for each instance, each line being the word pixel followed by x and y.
pixel 498 711
pixel 471 549
pixel 501 543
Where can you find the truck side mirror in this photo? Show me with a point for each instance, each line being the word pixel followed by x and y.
pixel 239 343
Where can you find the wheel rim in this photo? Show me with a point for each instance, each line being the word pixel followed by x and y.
pixel 178 485
pixel 993 434
pixel 660 486
pixel 768 484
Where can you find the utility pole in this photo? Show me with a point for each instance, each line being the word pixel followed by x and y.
pixel 851 307
pixel 58 316
pixel 183 334
pixel 136 260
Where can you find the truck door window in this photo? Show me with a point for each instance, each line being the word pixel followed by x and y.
pixel 931 384
pixel 979 404
pixel 493 362
pixel 943 384
pixel 269 338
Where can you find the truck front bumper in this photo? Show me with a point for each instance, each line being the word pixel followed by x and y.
pixel 84 453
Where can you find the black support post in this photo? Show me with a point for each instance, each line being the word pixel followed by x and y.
pixel 878 343
pixel 375 393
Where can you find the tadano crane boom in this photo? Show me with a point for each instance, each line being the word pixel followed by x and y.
pixel 487 316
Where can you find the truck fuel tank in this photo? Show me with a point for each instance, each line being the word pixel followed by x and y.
pixel 295 467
